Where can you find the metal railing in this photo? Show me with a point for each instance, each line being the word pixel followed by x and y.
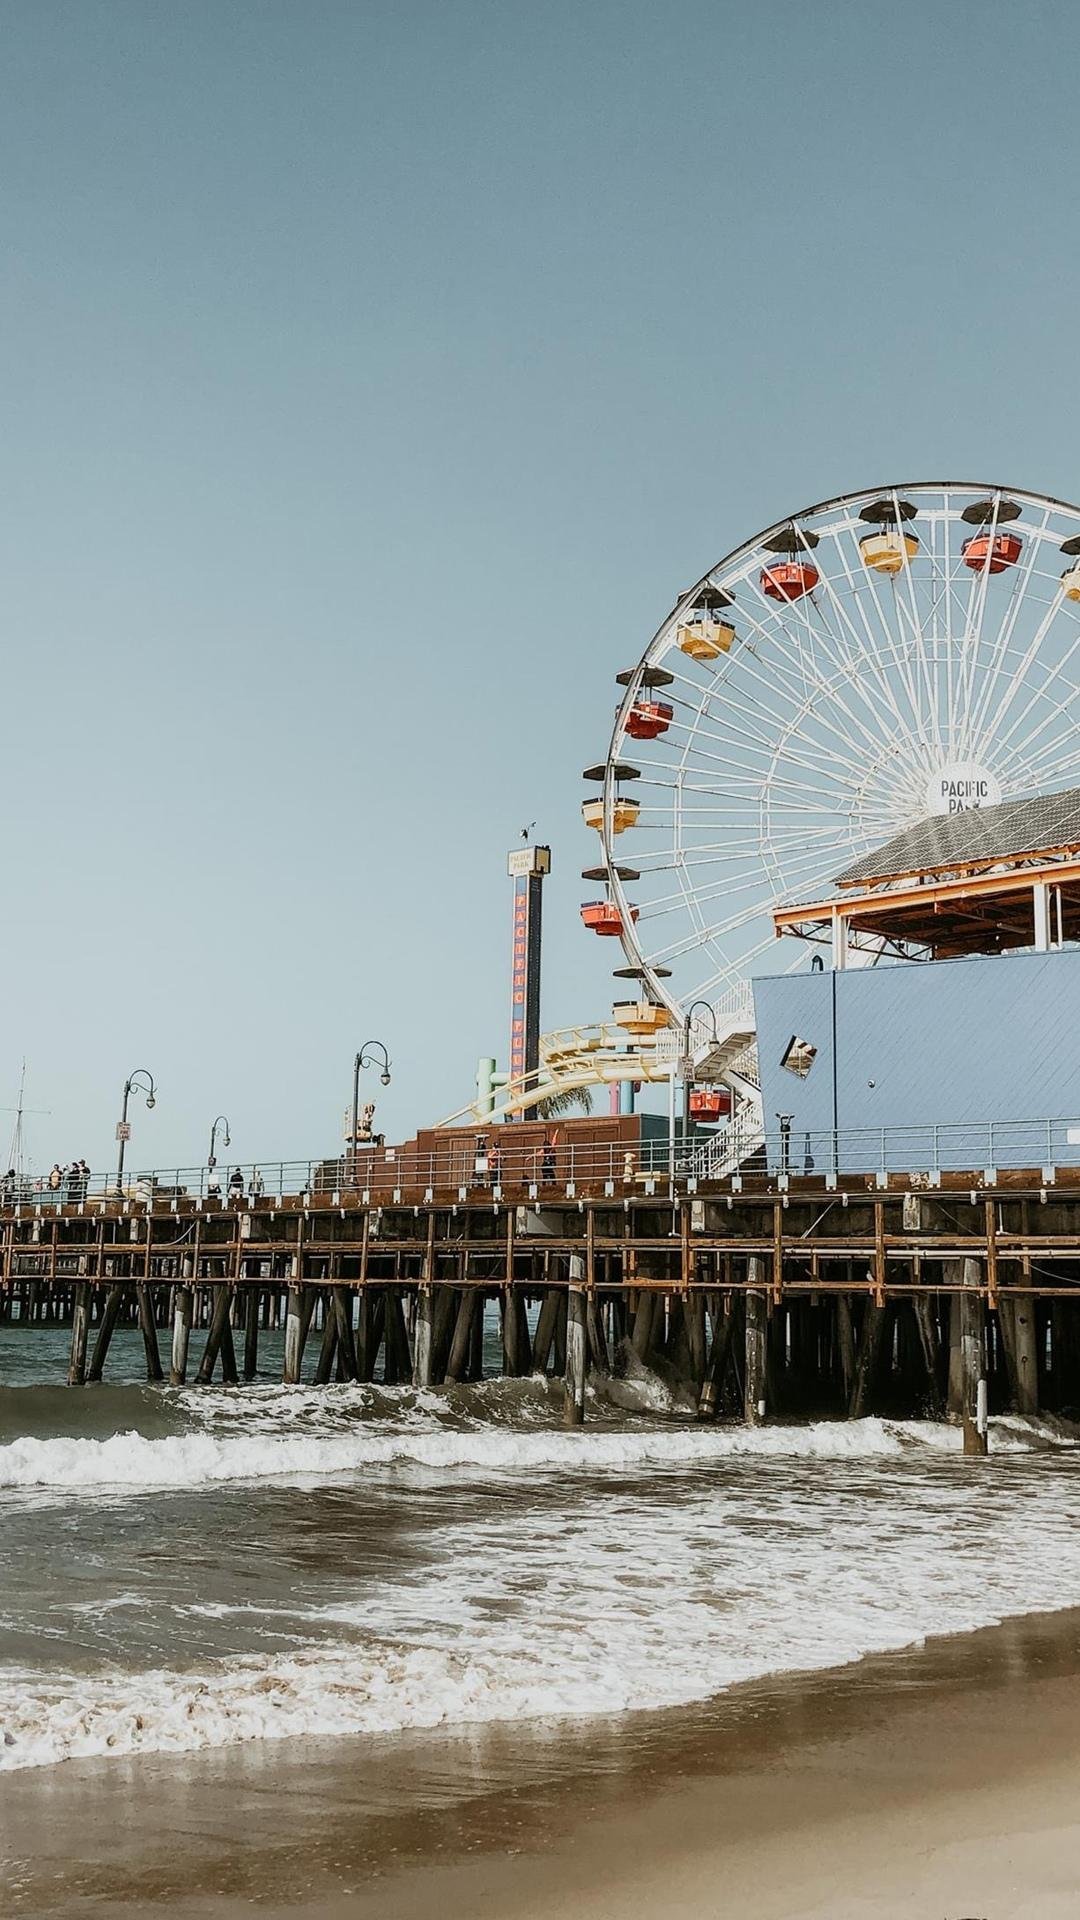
pixel 461 1166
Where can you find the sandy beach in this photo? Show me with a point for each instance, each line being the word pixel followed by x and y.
pixel 942 1781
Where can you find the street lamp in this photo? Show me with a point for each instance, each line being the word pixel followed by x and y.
pixel 211 1161
pixel 687 1060
pixel 368 1056
pixel 785 1120
pixel 142 1081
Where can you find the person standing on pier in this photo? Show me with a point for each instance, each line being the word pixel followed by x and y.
pixel 547 1163
pixel 56 1177
pixel 480 1160
pixel 236 1186
pixel 7 1187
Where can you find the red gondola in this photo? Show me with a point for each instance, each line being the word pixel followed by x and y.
pixel 789 579
pixel 648 719
pixel 1004 550
pixel 710 1103
pixel 603 916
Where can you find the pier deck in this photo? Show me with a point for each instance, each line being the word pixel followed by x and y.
pixel 814 1295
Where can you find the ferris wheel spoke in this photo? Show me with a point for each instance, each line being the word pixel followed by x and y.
pixel 999 654
pixel 1051 763
pixel 867 651
pixel 903 673
pixel 1037 696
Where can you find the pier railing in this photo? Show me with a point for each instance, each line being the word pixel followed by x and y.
pixel 458 1169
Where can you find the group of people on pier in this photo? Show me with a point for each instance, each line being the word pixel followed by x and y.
pixel 63 1183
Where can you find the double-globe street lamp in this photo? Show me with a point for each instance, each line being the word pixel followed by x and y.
pixel 371 1054
pixel 141 1081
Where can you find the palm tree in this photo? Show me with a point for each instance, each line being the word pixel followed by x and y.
pixel 570 1100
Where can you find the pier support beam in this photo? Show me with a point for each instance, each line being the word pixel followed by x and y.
pixel 218 1340
pixel 973 1359
pixel 546 1328
pixel 294 1337
pixel 757 1344
pixel 576 1345
pixel 181 1335
pixel 713 1384
pixel 251 1333
pixel 109 1318
pixel 346 1346
pixel 1020 1336
pixel 80 1331
pixel 461 1344
pixel 154 1369
pixel 870 1345
pixel 423 1339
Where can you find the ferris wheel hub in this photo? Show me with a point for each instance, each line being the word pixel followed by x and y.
pixel 959 786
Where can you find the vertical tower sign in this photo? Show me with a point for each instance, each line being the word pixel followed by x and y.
pixel 527 867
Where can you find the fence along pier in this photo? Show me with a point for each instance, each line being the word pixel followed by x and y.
pixel 825 1297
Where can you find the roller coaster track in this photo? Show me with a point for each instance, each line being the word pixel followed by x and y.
pixel 721 1049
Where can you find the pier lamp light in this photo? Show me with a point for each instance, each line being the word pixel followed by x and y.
pixel 141 1081
pixel 371 1054
pixel 785 1120
pixel 688 1064
pixel 226 1141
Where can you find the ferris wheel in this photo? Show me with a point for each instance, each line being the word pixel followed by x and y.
pixel 860 665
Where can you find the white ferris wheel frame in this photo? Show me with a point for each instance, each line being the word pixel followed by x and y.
pixel 959 671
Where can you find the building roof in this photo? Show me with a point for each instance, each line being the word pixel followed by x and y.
pixel 1017 829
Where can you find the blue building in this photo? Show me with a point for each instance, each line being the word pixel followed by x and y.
pixel 945 1035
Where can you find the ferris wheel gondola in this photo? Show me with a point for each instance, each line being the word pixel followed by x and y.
pixel 871 660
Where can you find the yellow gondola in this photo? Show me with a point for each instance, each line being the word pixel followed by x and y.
pixel 640 1016
pixel 705 639
pixel 624 813
pixel 889 551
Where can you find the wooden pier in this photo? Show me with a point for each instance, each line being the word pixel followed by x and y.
pixel 822 1300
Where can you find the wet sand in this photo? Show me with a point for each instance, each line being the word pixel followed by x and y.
pixel 942 1782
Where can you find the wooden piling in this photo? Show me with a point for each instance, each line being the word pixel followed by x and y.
pixel 871 1341
pixel 154 1369
pixel 251 1332
pixel 109 1318
pixel 423 1338
pixel 576 1340
pixel 80 1332
pixel 181 1335
pixel 1019 1331
pixel 973 1362
pixel 294 1337
pixel 755 1388
pixel 346 1343
pixel 217 1334
pixel 713 1384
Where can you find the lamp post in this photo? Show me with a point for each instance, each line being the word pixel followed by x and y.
pixel 142 1080
pixel 785 1120
pixel 368 1056
pixel 687 1074
pixel 211 1159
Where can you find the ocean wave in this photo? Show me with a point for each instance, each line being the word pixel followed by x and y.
pixel 132 1461
pixel 337 1690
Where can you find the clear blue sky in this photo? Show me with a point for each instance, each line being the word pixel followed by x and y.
pixel 374 375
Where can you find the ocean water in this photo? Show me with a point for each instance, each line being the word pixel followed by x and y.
pixel 197 1568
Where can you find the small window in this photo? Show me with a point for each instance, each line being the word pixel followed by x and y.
pixel 799 1056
